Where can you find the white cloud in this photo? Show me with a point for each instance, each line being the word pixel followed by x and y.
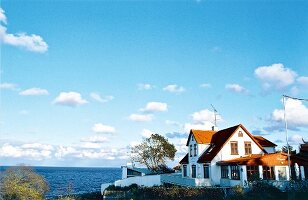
pixel 8 86
pixel 205 85
pixel 181 147
pixel 101 128
pixel 174 88
pixel 34 151
pixel 134 143
pixel 38 146
pixel 101 99
pixel 202 126
pixel 275 76
pixel 63 151
pixel 236 88
pixel 91 145
pixel 203 116
pixel 2 16
pixel 294 91
pixel 146 133
pixel 295 139
pixel 303 80
pixel 145 86
pixel 155 107
pixel 69 99
pixel 39 152
pixel 31 42
pixel 34 92
pixel 95 139
pixel 141 117
pixel 202 120
pixel 296 113
pixel 172 123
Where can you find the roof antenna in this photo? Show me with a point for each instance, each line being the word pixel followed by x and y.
pixel 215 115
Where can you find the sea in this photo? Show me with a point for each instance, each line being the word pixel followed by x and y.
pixel 75 180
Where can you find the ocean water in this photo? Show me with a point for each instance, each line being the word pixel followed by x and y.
pixel 76 180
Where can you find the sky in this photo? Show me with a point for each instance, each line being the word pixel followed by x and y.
pixel 83 81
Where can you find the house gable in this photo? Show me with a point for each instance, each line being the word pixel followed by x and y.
pixel 222 140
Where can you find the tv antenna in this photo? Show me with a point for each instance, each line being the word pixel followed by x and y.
pixel 215 115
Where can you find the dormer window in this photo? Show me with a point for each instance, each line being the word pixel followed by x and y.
pixel 195 149
pixel 240 134
pixel 190 150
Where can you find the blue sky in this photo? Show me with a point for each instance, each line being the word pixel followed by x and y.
pixel 82 81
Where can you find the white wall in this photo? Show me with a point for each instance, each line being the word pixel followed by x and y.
pixel 225 153
pixel 226 150
pixel 124 172
pixel 149 180
pixel 192 160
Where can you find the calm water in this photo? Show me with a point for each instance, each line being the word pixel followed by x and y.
pixel 75 180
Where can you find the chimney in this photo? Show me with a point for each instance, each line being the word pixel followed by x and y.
pixel 213 128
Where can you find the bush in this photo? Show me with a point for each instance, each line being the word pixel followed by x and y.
pixel 22 183
pixel 264 190
pixel 170 192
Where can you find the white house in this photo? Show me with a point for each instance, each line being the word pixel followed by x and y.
pixel 232 156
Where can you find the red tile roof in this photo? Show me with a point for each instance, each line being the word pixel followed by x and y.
pixel 271 159
pixel 259 159
pixel 201 136
pixel 219 139
pixel 264 142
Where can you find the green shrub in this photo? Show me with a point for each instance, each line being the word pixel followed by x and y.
pixel 21 183
pixel 264 190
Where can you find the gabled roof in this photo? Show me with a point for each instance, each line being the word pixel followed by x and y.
pixel 271 159
pixel 259 159
pixel 264 142
pixel 184 160
pixel 201 136
pixel 218 141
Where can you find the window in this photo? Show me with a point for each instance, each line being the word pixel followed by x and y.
pixel 234 150
pixel 306 172
pixel 184 170
pixel 268 173
pixel 193 169
pixel 252 172
pixel 195 149
pixel 190 146
pixel 206 171
pixel 131 173
pixel 192 138
pixel 240 134
pixel 224 172
pixel 235 172
pixel 282 173
pixel 247 148
pixel 295 173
